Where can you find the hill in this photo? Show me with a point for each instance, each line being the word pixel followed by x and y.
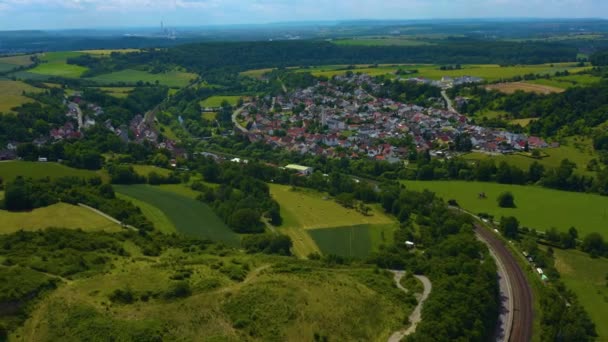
pixel 10 170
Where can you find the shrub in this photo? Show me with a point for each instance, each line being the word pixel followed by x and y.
pixel 506 200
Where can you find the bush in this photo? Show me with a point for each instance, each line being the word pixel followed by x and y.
pixel 268 243
pixel 122 296
pixel 179 290
pixel 506 200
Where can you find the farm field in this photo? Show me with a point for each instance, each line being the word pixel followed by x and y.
pixel 144 170
pixel 587 278
pixel 537 207
pixel 306 212
pixel 381 41
pixel 11 94
pixel 216 101
pixel 56 65
pixel 189 216
pixel 118 92
pixel 11 62
pixel 174 78
pixel 12 169
pixel 570 81
pixel 510 88
pixel 108 52
pixel 152 213
pixel 57 215
pixel 307 300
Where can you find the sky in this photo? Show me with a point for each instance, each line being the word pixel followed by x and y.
pixel 60 14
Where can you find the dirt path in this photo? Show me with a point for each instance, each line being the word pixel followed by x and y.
pixel 416 315
pixel 101 213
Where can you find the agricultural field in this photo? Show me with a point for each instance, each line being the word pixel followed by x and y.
pixel 57 215
pixel 305 213
pixel 161 222
pixel 118 92
pixel 10 170
pixel 12 62
pixel 175 79
pixel 382 41
pixel 216 101
pixel 258 73
pixel 189 216
pixel 55 64
pixel 510 88
pixel 537 207
pixel 587 278
pixel 108 52
pixel 144 170
pixel 566 82
pixel 228 301
pixel 209 116
pixel 11 94
pixel 522 122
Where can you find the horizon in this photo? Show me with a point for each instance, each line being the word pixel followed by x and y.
pixel 23 15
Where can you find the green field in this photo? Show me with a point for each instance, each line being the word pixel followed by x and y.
pixel 216 101
pixel 161 222
pixel 537 207
pixel 57 215
pixel 353 241
pixel 189 216
pixel 144 170
pixel 118 92
pixel 174 78
pixel 55 64
pixel 570 81
pixel 209 116
pixel 381 41
pixel 587 278
pixel 11 94
pixel 10 170
pixel 11 62
pixel 107 52
pixel 306 212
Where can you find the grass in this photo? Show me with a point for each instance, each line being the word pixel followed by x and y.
pixel 144 170
pixel 161 222
pixel 216 101
pixel 18 60
pixel 189 216
pixel 511 87
pixel 118 92
pixel 537 207
pixel 56 65
pixel 570 81
pixel 587 278
pixel 209 116
pixel 10 170
pixel 58 215
pixel 11 94
pixel 522 122
pixel 353 241
pixel 104 52
pixel 258 73
pixel 174 78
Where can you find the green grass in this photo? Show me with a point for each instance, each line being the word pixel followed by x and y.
pixel 118 92
pixel 189 216
pixel 381 41
pixel 152 213
pixel 10 170
pixel 55 64
pixel 105 52
pixel 144 170
pixel 216 101
pixel 58 215
pixel 11 94
pixel 537 207
pixel 570 81
pixel 209 116
pixel 587 278
pixel 174 78
pixel 18 60
pixel 353 241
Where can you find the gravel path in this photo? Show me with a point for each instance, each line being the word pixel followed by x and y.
pixel 415 316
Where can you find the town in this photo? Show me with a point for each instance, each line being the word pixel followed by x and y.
pixel 326 119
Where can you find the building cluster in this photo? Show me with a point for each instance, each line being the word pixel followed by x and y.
pixel 342 119
pixel 447 82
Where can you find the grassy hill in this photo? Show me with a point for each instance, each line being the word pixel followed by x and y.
pixel 171 79
pixel 10 170
pixel 11 94
pixel 537 207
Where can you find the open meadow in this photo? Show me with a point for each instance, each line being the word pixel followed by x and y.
pixel 11 62
pixel 316 223
pixel 57 215
pixel 216 101
pixel 510 88
pixel 10 170
pixel 177 79
pixel 118 92
pixel 11 94
pixel 587 278
pixel 189 216
pixel 537 207
pixel 55 64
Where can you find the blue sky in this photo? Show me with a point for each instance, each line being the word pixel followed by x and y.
pixel 53 14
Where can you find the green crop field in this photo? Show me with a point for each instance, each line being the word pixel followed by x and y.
pixel 189 216
pixel 305 212
pixel 587 278
pixel 144 170
pixel 10 170
pixel 55 64
pixel 18 60
pixel 216 101
pixel 57 215
pixel 118 92
pixel 11 94
pixel 174 78
pixel 381 41
pixel 161 222
pixel 570 81
pixel 537 207
pixel 353 241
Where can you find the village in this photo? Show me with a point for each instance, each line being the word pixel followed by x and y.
pixel 327 119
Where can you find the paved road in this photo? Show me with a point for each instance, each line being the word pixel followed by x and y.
pixel 235 121
pixel 521 328
pixel 415 316
pixel 448 101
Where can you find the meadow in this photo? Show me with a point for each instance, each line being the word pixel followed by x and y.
pixel 55 64
pixel 216 101
pixel 10 170
pixel 570 81
pixel 57 215
pixel 145 170
pixel 511 87
pixel 537 207
pixel 11 62
pixel 108 52
pixel 161 222
pixel 176 79
pixel 118 92
pixel 587 278
pixel 189 216
pixel 11 94
pixel 317 223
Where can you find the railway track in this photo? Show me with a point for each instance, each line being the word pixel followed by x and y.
pixel 521 328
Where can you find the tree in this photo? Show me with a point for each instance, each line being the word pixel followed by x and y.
pixel 245 221
pixel 509 226
pixel 506 200
pixel 594 244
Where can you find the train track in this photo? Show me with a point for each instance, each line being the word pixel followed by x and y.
pixel 521 328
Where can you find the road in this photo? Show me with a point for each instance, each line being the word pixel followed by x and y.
pixel 235 121
pixel 448 101
pixel 522 317
pixel 416 315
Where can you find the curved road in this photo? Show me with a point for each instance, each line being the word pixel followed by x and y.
pixel 522 317
pixel 415 316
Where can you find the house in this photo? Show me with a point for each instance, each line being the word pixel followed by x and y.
pixel 410 244
pixel 304 170
pixel 43 159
